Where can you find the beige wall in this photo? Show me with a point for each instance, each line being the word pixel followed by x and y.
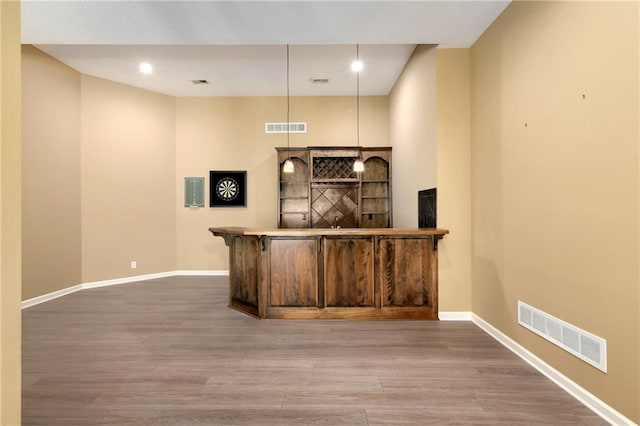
pixel 555 181
pixel 127 180
pixel 117 156
pixel 10 208
pixel 412 118
pixel 50 174
pixel 228 134
pixel 454 180
pixel 429 115
pixel 109 207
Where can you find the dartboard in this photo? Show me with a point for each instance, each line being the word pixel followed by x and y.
pixel 227 189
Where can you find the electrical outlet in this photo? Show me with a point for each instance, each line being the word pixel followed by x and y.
pixel 134 264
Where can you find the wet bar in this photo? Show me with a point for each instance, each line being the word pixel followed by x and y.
pixel 352 273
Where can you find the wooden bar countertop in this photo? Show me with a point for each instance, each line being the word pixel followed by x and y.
pixel 319 232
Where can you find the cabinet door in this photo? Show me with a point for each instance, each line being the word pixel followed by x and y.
pixel 348 272
pixel 244 270
pixel 293 272
pixel 406 272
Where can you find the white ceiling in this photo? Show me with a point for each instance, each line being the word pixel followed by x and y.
pixel 239 45
pixel 240 70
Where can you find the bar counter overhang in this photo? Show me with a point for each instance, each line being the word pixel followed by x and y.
pixel 352 273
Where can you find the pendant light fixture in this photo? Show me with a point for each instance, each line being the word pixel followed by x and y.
pixel 288 164
pixel 358 165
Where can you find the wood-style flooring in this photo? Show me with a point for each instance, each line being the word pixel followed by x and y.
pixel 169 351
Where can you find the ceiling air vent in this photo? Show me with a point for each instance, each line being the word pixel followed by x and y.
pixel 282 127
pixel 319 80
pixel 198 82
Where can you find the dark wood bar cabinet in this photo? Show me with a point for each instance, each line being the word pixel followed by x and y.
pixel 347 273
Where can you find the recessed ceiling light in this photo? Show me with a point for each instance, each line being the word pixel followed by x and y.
pixel 357 66
pixel 145 68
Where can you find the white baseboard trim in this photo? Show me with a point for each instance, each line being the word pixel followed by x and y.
pixel 127 280
pixel 572 388
pixel 50 296
pixel 95 284
pixel 454 316
pixel 202 273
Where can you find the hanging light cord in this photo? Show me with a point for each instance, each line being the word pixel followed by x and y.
pixel 358 95
pixel 288 123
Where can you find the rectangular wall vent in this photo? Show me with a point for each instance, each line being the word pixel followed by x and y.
pixel 586 346
pixel 282 127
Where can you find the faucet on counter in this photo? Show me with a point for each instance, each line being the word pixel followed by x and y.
pixel 336 226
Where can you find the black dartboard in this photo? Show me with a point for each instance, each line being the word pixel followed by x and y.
pixel 227 188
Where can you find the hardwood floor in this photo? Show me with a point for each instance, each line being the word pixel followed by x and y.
pixel 169 351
